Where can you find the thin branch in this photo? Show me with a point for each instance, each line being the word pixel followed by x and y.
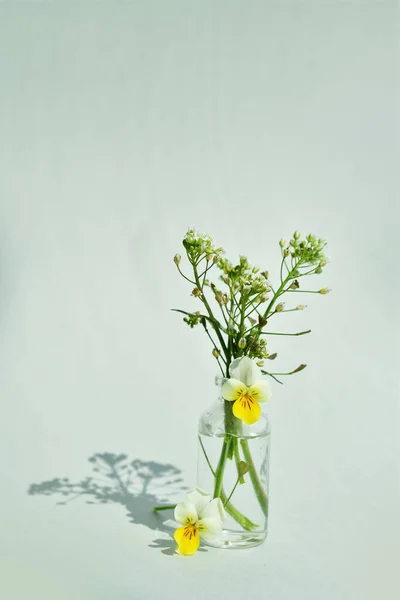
pixel 166 507
pixel 231 494
pixel 206 457
pixel 215 346
pixel 290 334
pixel 184 276
pixel 299 368
pixel 303 291
pixel 283 263
pixel 273 376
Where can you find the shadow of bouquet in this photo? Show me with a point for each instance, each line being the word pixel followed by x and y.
pixel 137 485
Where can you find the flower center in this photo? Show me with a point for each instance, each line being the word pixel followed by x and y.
pixel 246 399
pixel 189 531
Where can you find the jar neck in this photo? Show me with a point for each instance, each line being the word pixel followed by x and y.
pixel 219 382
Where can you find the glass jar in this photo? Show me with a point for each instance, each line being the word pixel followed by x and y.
pixel 233 464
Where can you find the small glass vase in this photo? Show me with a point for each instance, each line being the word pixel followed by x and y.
pixel 233 464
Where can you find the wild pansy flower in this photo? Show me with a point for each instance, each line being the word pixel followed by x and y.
pixel 246 389
pixel 200 517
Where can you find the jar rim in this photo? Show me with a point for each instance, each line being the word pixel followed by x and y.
pixel 220 380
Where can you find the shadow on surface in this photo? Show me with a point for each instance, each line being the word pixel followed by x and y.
pixel 137 485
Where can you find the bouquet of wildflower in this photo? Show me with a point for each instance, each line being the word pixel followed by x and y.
pixel 235 309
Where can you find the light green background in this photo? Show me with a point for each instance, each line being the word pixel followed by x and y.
pixel 122 124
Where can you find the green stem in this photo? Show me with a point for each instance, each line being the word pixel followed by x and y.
pixel 280 290
pixel 246 316
pixel 184 276
pixel 236 514
pixel 258 488
pixel 166 507
pixel 214 344
pixel 282 263
pixel 242 327
pixel 210 313
pixel 230 509
pixel 234 488
pixel 237 458
pixel 219 473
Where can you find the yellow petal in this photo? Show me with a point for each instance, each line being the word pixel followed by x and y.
pixel 247 409
pixel 188 540
pixel 233 389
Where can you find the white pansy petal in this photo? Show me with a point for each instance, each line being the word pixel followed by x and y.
pixel 245 370
pixel 215 510
pixel 261 391
pixel 232 389
pixel 185 513
pixel 200 500
pixel 209 529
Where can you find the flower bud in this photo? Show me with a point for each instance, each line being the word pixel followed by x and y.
pixel 260 363
pixel 324 291
pixel 265 274
pixel 196 292
pixel 242 343
pixel 286 252
pixel 262 321
pixel 300 307
pixel 215 259
pixel 219 299
pixel 177 259
pixel 280 307
pixel 294 285
pixel 208 257
pixel 318 270
pixel 296 235
pixel 216 353
pixel 282 243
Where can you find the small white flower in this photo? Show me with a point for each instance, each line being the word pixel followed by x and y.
pixel 200 517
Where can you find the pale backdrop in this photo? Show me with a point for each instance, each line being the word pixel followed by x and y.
pixel 123 123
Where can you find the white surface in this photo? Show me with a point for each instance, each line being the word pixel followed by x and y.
pixel 121 125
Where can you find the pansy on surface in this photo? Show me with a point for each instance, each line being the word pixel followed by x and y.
pixel 200 517
pixel 246 389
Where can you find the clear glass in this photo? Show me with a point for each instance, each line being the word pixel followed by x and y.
pixel 233 462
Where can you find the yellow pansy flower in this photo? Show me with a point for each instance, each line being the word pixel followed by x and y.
pixel 246 389
pixel 200 517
